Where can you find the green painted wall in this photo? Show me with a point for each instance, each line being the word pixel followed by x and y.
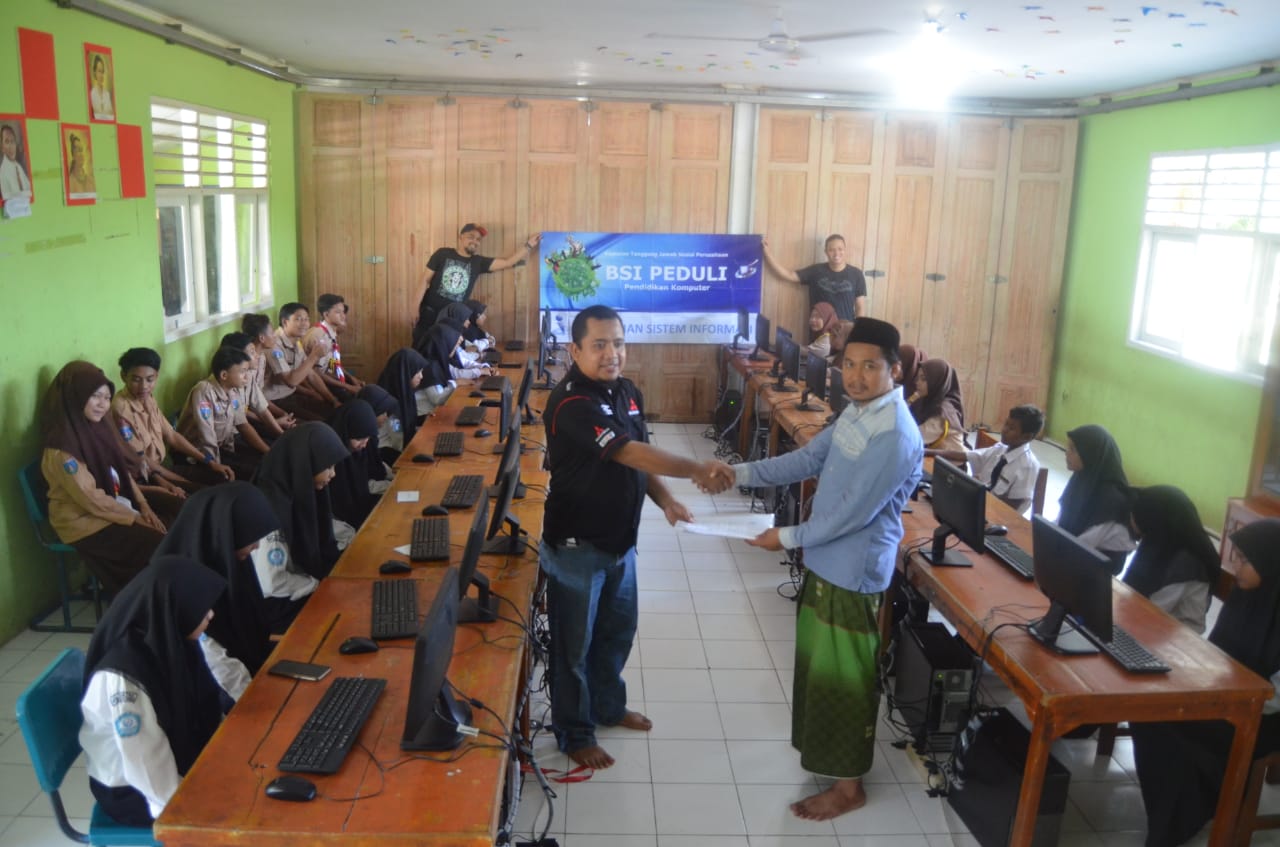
pixel 1175 424
pixel 100 294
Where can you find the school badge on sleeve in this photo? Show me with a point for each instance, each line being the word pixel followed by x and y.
pixel 128 725
pixel 71 466
pixel 206 409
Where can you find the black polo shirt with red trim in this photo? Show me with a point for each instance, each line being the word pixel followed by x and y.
pixel 592 498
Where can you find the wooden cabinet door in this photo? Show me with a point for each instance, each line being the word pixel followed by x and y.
pixel 849 180
pixel 1032 250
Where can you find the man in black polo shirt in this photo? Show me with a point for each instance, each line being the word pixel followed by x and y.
pixel 452 273
pixel 835 282
pixel 601 470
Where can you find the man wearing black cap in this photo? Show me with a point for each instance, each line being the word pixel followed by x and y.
pixel 867 465
pixel 452 273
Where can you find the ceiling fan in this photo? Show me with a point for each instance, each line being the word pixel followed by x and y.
pixel 779 40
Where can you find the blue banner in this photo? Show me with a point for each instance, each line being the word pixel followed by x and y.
pixel 671 288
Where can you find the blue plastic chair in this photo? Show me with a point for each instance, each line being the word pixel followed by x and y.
pixel 49 715
pixel 35 495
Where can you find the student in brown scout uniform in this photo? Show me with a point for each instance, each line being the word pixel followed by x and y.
pixel 215 413
pixel 292 383
pixel 264 416
pixel 94 503
pixel 333 323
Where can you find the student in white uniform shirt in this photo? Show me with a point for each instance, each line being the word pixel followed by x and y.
pixel 1009 468
pixel 150 702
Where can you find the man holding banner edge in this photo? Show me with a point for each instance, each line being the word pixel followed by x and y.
pixel 835 282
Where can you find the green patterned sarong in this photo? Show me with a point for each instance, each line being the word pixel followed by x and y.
pixel 835 696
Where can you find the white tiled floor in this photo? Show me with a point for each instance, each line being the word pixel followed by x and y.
pixel 712 669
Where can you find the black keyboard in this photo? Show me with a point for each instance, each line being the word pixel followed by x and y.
pixel 448 444
pixel 493 383
pixel 463 491
pixel 1128 654
pixel 323 742
pixel 471 416
pixel 1018 560
pixel 491 356
pixel 514 344
pixel 430 542
pixel 395 608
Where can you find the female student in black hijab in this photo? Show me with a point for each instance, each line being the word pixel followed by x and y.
pixel 390 430
pixel 220 528
pixel 1176 563
pixel 295 476
pixel 456 315
pixel 1181 765
pixel 95 504
pixel 150 703
pixel 438 349
pixel 476 335
pixel 403 373
pixel 357 427
pixel 1095 501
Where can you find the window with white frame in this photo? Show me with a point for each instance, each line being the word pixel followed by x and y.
pixel 212 186
pixel 1209 278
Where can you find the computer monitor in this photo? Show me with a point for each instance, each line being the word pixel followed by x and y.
pixel 815 382
pixel 836 398
pixel 508 481
pixel 545 329
pixel 506 407
pixel 960 507
pixel 1076 579
pixel 483 608
pixel 544 359
pixel 522 396
pixel 782 335
pixel 510 453
pixel 789 357
pixel 431 721
pixel 744 328
pixel 763 331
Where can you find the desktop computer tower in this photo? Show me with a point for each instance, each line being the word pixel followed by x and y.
pixel 933 676
pixel 989 767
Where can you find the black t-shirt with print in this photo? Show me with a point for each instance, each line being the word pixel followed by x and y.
pixel 839 288
pixel 452 281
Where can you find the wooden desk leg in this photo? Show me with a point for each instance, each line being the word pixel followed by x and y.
pixel 775 435
pixel 747 420
pixel 1024 825
pixel 1245 722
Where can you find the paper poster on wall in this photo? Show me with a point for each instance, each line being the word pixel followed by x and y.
pixel 100 82
pixel 133 172
pixel 77 165
pixel 39 74
pixel 15 164
pixel 672 288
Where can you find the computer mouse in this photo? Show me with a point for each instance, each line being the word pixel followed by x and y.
pixel 996 529
pixel 424 458
pixel 295 789
pixel 476 393
pixel 394 566
pixel 357 644
pixel 482 433
pixel 435 509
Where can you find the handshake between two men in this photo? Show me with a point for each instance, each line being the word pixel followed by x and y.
pixel 715 477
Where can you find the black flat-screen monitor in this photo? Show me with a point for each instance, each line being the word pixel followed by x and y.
pixel 1076 579
pixel 763 331
pixel 510 453
pixel 506 406
pixel 483 608
pixel 788 362
pixel 781 335
pixel 544 360
pixel 508 481
pixel 744 328
pixel 836 397
pixel 522 396
pixel 431 721
pixel 960 507
pixel 815 381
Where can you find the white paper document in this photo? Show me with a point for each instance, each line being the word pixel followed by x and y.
pixel 406 497
pixel 403 549
pixel 739 525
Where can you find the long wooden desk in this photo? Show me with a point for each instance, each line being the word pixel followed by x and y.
pixel 381 795
pixel 1062 692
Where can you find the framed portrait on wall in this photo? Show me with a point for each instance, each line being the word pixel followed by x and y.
pixel 100 79
pixel 15 160
pixel 77 165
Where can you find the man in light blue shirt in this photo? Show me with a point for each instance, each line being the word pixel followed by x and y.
pixel 867 465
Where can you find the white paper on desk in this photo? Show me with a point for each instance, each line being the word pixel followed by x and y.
pixel 406 497
pixel 403 549
pixel 743 525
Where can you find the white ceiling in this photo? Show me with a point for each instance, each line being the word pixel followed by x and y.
pixel 1035 50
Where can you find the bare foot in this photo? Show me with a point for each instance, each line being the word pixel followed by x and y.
pixel 844 796
pixel 592 757
pixel 636 721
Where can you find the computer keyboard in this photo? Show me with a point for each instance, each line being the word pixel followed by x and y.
pixel 430 541
pixel 514 344
pixel 1018 560
pixel 323 742
pixel 493 383
pixel 463 491
pixel 1126 652
pixel 395 609
pixel 491 356
pixel 470 416
pixel 448 444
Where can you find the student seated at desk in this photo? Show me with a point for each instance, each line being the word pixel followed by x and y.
pixel 268 419
pixel 95 504
pixel 1095 502
pixel 221 528
pixel 438 348
pixel 1175 564
pixel 401 377
pixel 334 314
pixel 292 382
pixel 295 476
pixel 1009 468
pixel 150 701
pixel 476 337
pixel 390 430
pixel 1181 764
pixel 937 407
pixel 822 323
pixel 460 364
pixel 912 359
pixel 350 492
pixel 214 419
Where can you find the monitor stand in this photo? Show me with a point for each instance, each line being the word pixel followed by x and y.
pixel 1059 634
pixel 483 608
pixel 940 556
pixel 804 403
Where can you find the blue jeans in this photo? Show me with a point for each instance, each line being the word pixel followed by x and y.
pixel 592 608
